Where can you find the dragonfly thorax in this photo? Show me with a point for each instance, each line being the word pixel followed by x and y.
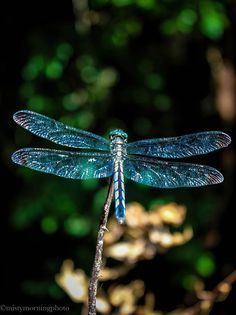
pixel 118 133
pixel 118 143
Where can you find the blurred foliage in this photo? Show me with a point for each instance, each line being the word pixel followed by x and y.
pixel 144 235
pixel 124 64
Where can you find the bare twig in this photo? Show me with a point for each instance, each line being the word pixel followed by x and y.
pixel 208 298
pixel 98 255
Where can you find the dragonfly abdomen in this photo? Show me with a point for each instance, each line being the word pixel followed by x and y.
pixel 119 191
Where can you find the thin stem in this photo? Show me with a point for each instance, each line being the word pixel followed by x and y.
pixel 99 249
pixel 219 293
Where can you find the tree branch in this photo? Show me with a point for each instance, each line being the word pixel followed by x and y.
pixel 99 249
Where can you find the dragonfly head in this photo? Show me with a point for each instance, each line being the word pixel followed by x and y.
pixel 118 133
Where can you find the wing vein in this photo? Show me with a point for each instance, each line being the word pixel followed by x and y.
pixel 179 147
pixel 68 164
pixel 58 132
pixel 161 174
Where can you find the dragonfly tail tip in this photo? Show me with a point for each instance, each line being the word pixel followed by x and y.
pixel 121 221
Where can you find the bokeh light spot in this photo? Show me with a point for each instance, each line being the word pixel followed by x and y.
pixel 154 81
pixel 71 101
pixel 188 16
pixel 83 61
pixel 49 225
pixel 54 70
pixel 33 68
pixel 146 4
pixel 89 74
pixel 77 226
pixel 107 77
pixel 213 19
pixel 186 20
pixel 119 37
pixel 84 119
pixel 189 282
pixel 205 265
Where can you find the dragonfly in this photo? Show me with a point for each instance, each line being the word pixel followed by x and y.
pixel 141 161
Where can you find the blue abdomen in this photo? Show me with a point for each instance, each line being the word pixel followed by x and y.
pixel 119 191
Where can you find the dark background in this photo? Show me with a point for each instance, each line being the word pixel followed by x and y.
pixel 169 81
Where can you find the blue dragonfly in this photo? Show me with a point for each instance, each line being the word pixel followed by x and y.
pixel 115 157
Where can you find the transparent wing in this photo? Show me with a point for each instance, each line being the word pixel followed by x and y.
pixel 179 147
pixel 67 164
pixel 170 174
pixel 58 132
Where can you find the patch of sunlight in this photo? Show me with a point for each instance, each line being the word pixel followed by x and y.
pixel 74 282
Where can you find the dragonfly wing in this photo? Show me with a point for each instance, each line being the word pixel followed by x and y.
pixel 75 165
pixel 58 132
pixel 180 147
pixel 170 174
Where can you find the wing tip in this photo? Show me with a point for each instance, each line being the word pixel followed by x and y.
pixel 20 116
pixel 216 177
pixel 224 139
pixel 19 157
